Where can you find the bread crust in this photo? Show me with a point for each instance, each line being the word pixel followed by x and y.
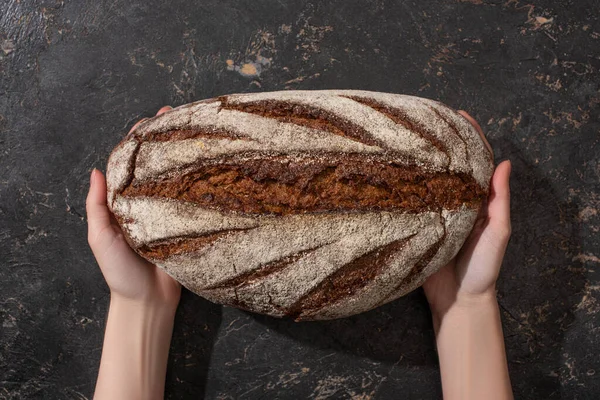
pixel 310 204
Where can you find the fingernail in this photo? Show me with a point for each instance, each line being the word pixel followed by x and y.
pixel 93 177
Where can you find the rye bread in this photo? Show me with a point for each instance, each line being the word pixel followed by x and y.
pixel 311 204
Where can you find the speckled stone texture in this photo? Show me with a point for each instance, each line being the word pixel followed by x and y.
pixel 74 76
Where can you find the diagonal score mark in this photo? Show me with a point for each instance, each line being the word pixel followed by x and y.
pixel 419 266
pixel 205 132
pixel 303 115
pixel 348 279
pixel 453 128
pixel 164 248
pixel 401 117
pixel 263 271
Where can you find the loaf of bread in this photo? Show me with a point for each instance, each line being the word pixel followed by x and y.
pixel 309 204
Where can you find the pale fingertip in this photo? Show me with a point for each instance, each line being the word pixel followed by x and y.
pixel 97 213
pixel 164 110
pixel 92 177
pixel 505 168
pixel 97 192
pixel 137 124
pixel 477 127
pixel 92 189
pixel 464 114
pixel 507 183
pixel 501 175
pixel 499 200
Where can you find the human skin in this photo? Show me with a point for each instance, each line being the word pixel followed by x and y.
pixel 462 298
pixel 461 295
pixel 143 301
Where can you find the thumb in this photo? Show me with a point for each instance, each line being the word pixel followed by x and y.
pixel 499 200
pixel 98 215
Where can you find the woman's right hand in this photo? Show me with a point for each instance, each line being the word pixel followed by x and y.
pixel 472 274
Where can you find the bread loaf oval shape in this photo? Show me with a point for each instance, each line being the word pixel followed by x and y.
pixel 309 204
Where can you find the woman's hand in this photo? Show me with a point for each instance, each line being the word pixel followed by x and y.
pixel 462 297
pixel 143 301
pixel 129 276
pixel 473 272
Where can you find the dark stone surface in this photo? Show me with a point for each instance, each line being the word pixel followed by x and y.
pixel 75 75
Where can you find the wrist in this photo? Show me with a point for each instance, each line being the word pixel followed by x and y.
pixel 142 306
pixel 142 317
pixel 473 301
pixel 138 318
pixel 136 347
pixel 471 350
pixel 466 304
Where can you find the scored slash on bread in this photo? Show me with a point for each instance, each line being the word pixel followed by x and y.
pixel 312 204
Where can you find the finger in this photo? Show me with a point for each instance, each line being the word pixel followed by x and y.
pixel 164 110
pixel 98 215
pixel 161 111
pixel 499 199
pixel 137 123
pixel 478 129
pixel 471 120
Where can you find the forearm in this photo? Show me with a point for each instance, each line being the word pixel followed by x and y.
pixel 136 347
pixel 471 351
